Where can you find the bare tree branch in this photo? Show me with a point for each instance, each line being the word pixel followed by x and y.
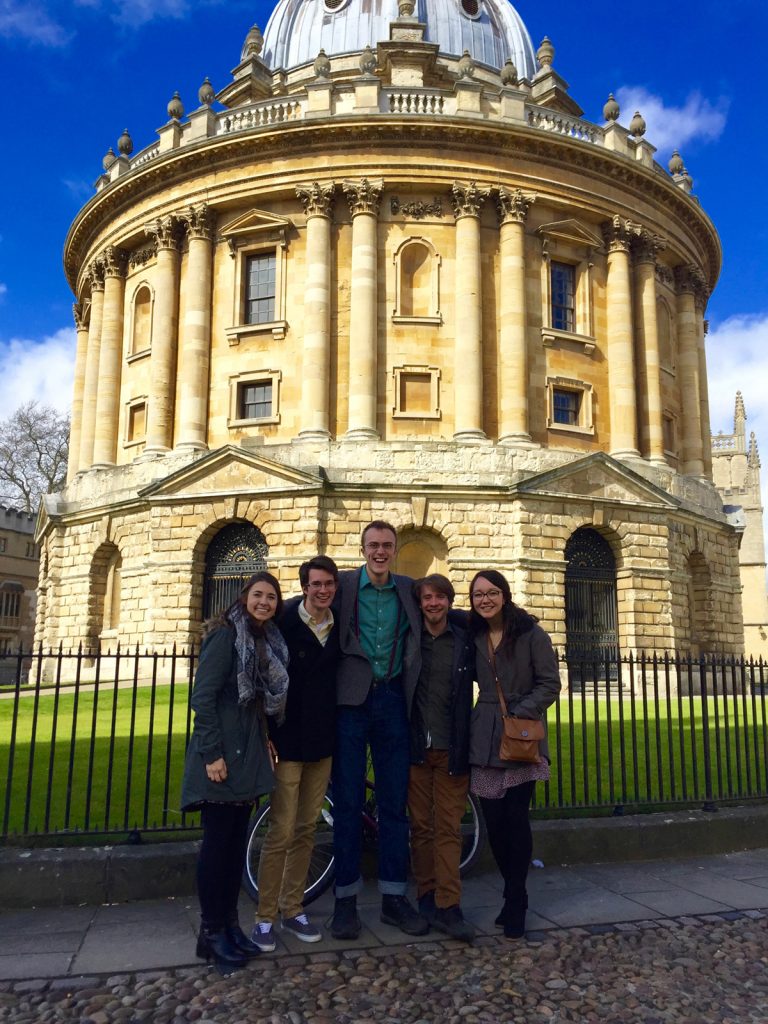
pixel 34 447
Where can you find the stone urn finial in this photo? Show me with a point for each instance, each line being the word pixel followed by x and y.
pixel 466 68
pixel 368 61
pixel 406 8
pixel 206 93
pixel 109 159
pixel 322 65
pixel 125 144
pixel 676 165
pixel 253 44
pixel 175 108
pixel 637 125
pixel 509 73
pixel 545 53
pixel 611 110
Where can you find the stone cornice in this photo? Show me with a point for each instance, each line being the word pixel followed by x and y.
pixel 353 135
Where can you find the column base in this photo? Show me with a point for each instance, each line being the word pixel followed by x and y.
pixel 625 453
pixel 362 434
pixel 661 462
pixel 191 446
pixel 102 465
pixel 521 440
pixel 312 436
pixel 471 437
pixel 149 454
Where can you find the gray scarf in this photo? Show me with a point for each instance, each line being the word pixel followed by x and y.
pixel 262 667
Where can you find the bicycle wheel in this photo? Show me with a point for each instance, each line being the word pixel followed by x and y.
pixel 473 834
pixel 321 866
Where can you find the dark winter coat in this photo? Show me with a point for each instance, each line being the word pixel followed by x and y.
pixel 224 728
pixel 462 676
pixel 530 680
pixel 310 715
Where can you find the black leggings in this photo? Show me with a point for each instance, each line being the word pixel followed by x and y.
pixel 509 833
pixel 221 862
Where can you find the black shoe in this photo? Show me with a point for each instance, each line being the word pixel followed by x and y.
pixel 240 942
pixel 499 922
pixel 514 920
pixel 450 920
pixel 427 906
pixel 398 911
pixel 215 946
pixel 345 923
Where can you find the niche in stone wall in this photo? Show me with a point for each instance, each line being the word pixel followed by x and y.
pixel 140 332
pixel 700 621
pixel 421 552
pixel 417 282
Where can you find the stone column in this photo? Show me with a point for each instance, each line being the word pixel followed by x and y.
pixel 317 201
pixel 110 359
pixel 621 358
pixel 363 201
pixel 195 354
pixel 91 388
pixel 706 429
pixel 165 327
pixel 688 280
pixel 645 247
pixel 468 358
pixel 513 380
pixel 77 391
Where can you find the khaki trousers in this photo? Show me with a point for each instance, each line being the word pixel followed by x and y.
pixel 295 804
pixel 436 802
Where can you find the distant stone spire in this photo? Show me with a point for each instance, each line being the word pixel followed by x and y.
pixel 740 412
pixel 739 419
pixel 753 456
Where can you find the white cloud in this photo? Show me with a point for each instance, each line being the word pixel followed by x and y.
pixel 3 290
pixel 135 13
pixel 40 370
pixel 673 127
pixel 20 19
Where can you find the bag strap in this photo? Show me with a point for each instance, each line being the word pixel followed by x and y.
pixel 499 691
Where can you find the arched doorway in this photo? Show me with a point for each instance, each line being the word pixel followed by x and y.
pixel 590 599
pixel 700 625
pixel 234 554
pixel 420 552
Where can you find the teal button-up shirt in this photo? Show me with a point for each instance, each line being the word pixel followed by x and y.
pixel 381 626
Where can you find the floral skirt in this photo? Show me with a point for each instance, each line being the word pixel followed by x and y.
pixel 492 783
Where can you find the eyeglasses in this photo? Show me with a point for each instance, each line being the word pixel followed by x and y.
pixel 478 596
pixel 374 545
pixel 330 585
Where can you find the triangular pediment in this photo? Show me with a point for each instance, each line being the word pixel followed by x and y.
pixel 232 471
pixel 570 230
pixel 255 224
pixel 600 477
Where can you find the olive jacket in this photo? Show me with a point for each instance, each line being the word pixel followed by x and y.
pixel 530 681
pixel 224 728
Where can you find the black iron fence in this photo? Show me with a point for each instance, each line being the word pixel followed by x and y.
pixel 92 743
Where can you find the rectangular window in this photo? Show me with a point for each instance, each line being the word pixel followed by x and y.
pixel 260 288
pixel 137 422
pixel 668 428
pixel 563 285
pixel 3 544
pixel 255 400
pixel 31 549
pixel 565 406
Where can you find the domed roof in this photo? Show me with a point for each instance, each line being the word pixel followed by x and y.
pixel 491 30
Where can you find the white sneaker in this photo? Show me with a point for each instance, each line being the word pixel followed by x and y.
pixel 263 936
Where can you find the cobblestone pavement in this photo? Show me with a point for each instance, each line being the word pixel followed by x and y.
pixel 711 969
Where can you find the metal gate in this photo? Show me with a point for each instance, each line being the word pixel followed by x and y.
pixel 234 554
pixel 590 600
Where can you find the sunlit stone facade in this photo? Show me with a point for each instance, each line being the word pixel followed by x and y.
pixel 409 282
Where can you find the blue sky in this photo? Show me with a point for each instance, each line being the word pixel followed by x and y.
pixel 79 72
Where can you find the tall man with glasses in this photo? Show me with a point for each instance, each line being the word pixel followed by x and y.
pixel 380 636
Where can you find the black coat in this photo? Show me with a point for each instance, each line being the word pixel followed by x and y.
pixel 462 675
pixel 224 728
pixel 310 715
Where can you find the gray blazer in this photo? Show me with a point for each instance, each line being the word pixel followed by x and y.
pixel 355 673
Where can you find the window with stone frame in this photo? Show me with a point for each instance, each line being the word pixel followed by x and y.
pixel 566 282
pixel 416 392
pixel 258 245
pixel 254 398
pixel 562 280
pixel 260 287
pixel 569 405
pixel 136 421
pixel 669 433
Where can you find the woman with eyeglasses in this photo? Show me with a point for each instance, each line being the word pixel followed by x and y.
pixel 242 677
pixel 510 646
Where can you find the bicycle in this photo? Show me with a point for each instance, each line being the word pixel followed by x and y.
pixel 321 868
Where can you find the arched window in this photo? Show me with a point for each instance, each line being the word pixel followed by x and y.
pixel 590 600
pixel 141 334
pixel 235 553
pixel 112 595
pixel 417 283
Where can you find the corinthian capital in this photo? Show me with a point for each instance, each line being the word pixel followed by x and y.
pixel 317 199
pixel 166 231
pixel 468 199
pixel 115 261
pixel 363 196
pixel 618 234
pixel 79 316
pixel 513 206
pixel 690 280
pixel 95 275
pixel 198 221
pixel 646 246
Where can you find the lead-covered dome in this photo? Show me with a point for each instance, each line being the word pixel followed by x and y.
pixel 491 30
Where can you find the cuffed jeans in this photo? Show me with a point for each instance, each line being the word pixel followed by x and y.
pixel 294 806
pixel 382 722
pixel 436 802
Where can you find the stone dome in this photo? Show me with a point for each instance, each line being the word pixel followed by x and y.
pixel 491 30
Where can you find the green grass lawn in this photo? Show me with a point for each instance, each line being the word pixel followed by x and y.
pixel 129 774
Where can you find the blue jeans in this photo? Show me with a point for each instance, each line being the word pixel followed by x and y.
pixel 382 722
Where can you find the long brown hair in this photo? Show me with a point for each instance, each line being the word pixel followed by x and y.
pixel 515 620
pixel 223 618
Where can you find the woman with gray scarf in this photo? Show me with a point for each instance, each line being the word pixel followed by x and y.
pixel 241 678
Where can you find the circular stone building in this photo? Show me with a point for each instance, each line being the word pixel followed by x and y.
pixel 390 270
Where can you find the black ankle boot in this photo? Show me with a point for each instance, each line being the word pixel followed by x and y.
pixel 240 941
pixel 513 918
pixel 216 947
